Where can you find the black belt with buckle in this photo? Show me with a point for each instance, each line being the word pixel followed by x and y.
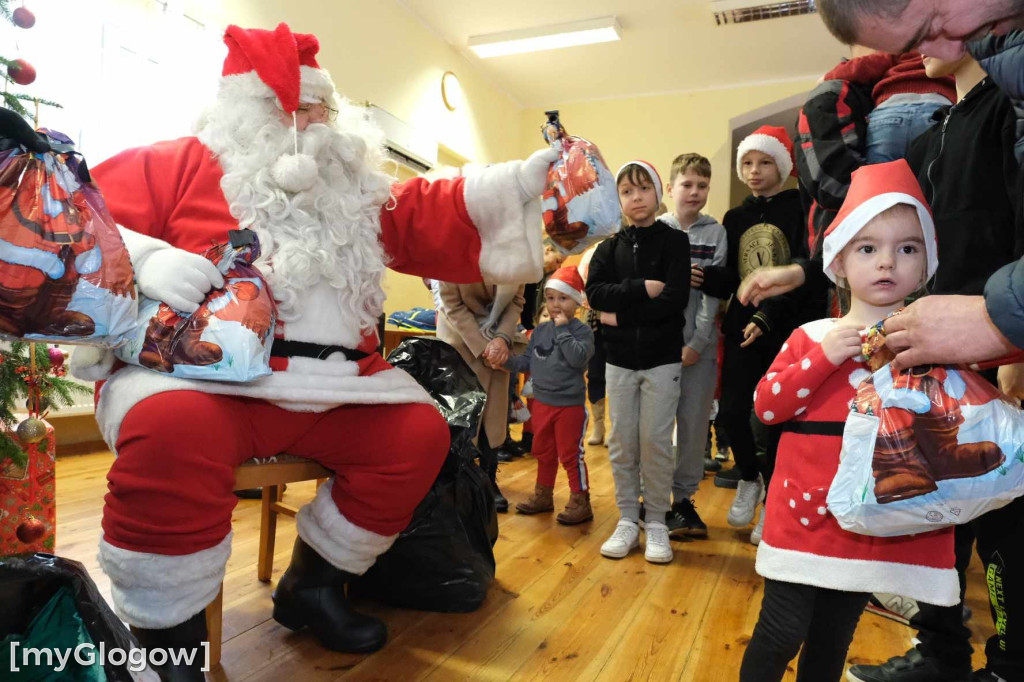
pixel 282 348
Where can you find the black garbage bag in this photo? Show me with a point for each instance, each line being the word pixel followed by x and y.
pixel 443 561
pixel 50 602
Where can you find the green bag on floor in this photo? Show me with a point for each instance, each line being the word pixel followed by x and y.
pixel 57 628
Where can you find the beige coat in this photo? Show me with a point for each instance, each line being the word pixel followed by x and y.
pixel 465 309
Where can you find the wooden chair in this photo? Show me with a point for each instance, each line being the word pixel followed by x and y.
pixel 271 475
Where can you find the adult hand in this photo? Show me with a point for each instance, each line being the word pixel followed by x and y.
pixel 944 330
pixel 14 127
pixel 533 173
pixel 751 333
pixel 610 319
pixel 696 277
pixel 654 288
pixel 768 282
pixel 560 319
pixel 178 278
pixel 841 342
pixel 690 356
pixel 1011 380
pixel 496 352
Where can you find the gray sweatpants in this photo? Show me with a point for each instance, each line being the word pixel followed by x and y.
pixel 642 406
pixel 696 394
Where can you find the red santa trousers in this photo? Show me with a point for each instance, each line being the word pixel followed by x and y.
pixel 171 485
pixel 558 437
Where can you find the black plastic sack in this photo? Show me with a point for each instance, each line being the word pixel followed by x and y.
pixel 27 585
pixel 443 560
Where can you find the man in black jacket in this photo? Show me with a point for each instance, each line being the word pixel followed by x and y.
pixel 640 281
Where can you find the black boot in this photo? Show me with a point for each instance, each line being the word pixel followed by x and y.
pixel 185 636
pixel 489 465
pixel 312 593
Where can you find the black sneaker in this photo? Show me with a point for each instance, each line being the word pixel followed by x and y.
pixel 712 465
pixel 684 521
pixel 910 667
pixel 722 455
pixel 730 478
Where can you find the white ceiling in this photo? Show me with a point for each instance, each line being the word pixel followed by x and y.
pixel 666 46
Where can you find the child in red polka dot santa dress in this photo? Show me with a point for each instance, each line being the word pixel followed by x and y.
pixel 880 249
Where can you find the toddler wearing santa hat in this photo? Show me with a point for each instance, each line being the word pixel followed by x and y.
pixel 881 249
pixel 557 358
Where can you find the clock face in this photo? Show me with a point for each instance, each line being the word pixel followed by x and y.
pixel 762 245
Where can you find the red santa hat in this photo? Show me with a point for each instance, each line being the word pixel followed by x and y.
pixel 282 65
pixel 771 140
pixel 567 280
pixel 655 178
pixel 874 189
pixel 278 64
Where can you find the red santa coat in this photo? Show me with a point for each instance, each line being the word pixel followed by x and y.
pixel 462 230
pixel 802 541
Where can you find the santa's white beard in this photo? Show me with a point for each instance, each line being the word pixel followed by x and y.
pixel 329 232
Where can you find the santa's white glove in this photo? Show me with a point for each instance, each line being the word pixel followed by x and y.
pixel 90 363
pixel 178 278
pixel 533 173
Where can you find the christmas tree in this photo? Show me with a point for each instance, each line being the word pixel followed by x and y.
pixel 34 374
pixel 18 70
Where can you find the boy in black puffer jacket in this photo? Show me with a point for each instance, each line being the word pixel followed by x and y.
pixel 640 281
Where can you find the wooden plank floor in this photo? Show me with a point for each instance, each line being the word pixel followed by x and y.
pixel 556 611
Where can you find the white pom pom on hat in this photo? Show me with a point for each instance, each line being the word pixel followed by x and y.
pixel 294 172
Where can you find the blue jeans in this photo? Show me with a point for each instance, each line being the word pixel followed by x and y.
pixel 891 129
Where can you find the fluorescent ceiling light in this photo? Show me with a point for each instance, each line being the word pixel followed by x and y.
pixel 603 30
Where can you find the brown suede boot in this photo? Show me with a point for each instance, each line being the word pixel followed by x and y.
pixel 900 472
pixel 542 501
pixel 947 459
pixel 155 352
pixel 190 350
pixel 577 510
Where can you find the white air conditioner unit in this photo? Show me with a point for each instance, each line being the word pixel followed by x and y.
pixel 741 11
pixel 405 144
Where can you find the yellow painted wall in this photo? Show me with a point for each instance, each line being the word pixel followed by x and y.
pixel 657 128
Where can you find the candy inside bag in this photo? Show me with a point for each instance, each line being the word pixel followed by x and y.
pixel 580 202
pixel 65 274
pixel 227 339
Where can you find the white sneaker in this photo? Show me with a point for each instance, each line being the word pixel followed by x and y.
pixel 657 548
pixel 748 495
pixel 755 535
pixel 624 540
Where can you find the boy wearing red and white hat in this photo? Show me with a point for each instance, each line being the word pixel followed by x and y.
pixel 557 358
pixel 640 281
pixel 881 248
pixel 765 230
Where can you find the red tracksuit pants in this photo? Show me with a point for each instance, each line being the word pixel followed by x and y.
pixel 558 434
pixel 170 488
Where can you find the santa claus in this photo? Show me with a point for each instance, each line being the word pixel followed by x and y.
pixel 280 153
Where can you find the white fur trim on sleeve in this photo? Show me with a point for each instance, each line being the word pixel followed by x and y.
pixel 511 250
pixel 91 363
pixel 335 538
pixel 157 591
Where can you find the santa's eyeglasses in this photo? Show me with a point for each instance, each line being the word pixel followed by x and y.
pixel 318 110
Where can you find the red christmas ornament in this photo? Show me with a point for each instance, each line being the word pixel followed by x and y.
pixel 30 530
pixel 23 18
pixel 21 72
pixel 56 358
